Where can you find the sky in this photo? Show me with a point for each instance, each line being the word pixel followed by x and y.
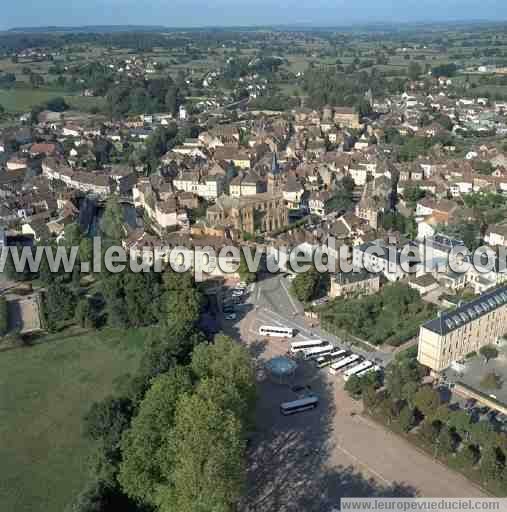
pixel 195 13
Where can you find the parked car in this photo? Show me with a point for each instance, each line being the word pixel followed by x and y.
pixel 230 316
pixel 470 403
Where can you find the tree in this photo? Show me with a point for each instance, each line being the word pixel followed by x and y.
pixel 414 70
pixel 57 104
pixel 2 109
pixel 489 352
pixel 491 381
pixel 101 496
pixel 60 304
pixel 446 443
pixel 363 108
pixel 371 398
pixel 173 99
pixel 148 451
pixel 166 348
pixel 467 457
pixel 461 421
pixel 36 80
pixel 105 422
pixel 427 400
pixel 112 220
pixel 84 315
pixel 429 431
pixel 209 457
pixel 406 418
pixel 244 272
pixel 4 316
pixel 413 194
pixel 306 284
pixel 491 468
pixel 230 364
pixel 182 305
pixel 389 410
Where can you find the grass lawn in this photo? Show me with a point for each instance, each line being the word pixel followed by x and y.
pixel 22 100
pixel 45 391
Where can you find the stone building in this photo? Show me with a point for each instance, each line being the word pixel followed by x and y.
pixel 456 333
pixel 260 213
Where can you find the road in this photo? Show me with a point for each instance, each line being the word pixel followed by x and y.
pixel 276 306
pixel 309 460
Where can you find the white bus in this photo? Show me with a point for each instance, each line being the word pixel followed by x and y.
pixel 343 363
pixel 328 359
pixel 276 332
pixel 368 370
pixel 299 346
pixel 311 353
pixel 356 370
pixel 304 404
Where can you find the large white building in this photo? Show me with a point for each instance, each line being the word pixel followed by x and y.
pixel 456 333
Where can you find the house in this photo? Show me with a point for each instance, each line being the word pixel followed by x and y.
pixel 232 154
pixel 319 203
pixel 374 200
pixel 16 163
pixel 43 149
pixel 423 283
pixel 354 283
pixel 346 117
pixel 377 256
pixel 245 184
pixel 293 192
pixel 207 187
pixel 444 209
pixel 496 235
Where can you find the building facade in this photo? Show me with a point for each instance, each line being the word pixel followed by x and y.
pixel 456 333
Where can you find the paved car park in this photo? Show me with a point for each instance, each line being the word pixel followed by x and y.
pixel 307 461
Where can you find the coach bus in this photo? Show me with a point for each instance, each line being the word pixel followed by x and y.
pixel 356 370
pixel 331 358
pixel 276 332
pixel 312 353
pixel 300 346
pixel 304 404
pixel 342 364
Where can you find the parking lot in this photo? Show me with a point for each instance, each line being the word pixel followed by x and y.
pixel 307 461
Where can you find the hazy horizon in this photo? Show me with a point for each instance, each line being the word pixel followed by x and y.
pixel 200 13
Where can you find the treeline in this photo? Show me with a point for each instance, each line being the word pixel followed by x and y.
pixel 454 437
pixel 391 316
pixel 325 86
pixel 145 96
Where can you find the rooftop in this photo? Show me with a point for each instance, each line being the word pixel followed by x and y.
pixel 456 318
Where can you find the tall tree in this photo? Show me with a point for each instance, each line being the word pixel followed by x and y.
pixel 209 460
pixel 146 472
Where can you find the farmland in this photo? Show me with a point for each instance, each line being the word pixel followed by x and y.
pixel 23 99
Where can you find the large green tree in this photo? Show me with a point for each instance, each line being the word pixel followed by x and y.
pixel 146 472
pixel 209 457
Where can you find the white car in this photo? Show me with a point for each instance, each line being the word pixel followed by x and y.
pixel 230 316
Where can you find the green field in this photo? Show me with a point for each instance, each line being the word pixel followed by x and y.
pixel 22 100
pixel 45 391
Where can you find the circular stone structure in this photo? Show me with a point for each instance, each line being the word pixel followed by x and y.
pixel 281 368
